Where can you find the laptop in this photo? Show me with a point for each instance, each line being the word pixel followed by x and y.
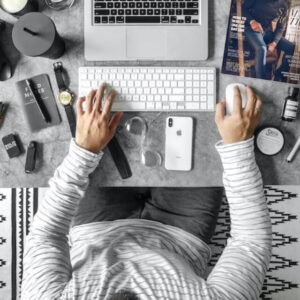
pixel 146 29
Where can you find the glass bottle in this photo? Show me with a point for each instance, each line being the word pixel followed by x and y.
pixel 291 105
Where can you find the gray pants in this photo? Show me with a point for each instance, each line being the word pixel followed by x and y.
pixel 194 210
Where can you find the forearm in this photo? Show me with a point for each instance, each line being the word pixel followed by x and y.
pixel 67 187
pixel 241 270
pixel 245 194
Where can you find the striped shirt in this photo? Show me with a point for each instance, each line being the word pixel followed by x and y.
pixel 153 260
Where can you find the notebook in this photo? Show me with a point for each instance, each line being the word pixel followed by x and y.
pixel 41 86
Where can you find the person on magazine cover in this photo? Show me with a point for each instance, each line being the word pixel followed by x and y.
pixel 260 15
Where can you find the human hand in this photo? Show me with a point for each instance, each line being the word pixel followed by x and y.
pixel 272 47
pixel 241 124
pixel 256 26
pixel 95 129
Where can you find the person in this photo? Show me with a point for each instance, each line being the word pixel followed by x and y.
pixel 151 256
pixel 260 14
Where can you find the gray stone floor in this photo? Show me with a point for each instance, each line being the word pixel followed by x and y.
pixel 207 169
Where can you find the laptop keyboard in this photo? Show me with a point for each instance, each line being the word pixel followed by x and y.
pixel 170 12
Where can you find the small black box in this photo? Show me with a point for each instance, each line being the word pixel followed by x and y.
pixel 11 146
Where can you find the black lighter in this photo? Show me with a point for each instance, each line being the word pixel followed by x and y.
pixel 31 157
pixel 11 145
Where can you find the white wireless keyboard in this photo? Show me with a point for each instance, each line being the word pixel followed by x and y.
pixel 154 88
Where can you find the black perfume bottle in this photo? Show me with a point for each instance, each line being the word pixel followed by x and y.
pixel 291 105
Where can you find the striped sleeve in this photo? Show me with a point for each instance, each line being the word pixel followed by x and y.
pixel 47 267
pixel 240 271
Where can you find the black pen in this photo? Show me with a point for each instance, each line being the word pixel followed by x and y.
pixel 38 103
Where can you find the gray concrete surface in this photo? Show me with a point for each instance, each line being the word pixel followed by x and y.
pixel 207 169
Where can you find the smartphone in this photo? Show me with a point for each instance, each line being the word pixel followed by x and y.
pixel 179 143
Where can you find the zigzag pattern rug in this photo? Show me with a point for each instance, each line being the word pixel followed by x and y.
pixel 18 206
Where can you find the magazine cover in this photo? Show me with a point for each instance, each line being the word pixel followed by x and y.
pixel 263 40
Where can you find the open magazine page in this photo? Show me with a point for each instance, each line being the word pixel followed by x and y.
pixel 263 40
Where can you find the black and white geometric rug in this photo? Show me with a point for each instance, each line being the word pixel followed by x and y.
pixel 18 206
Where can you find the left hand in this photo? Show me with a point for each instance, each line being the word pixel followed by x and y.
pixel 95 129
pixel 272 47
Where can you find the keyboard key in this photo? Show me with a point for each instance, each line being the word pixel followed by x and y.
pixel 150 105
pixel 97 20
pixel 165 19
pixel 145 19
pixel 100 5
pixel 120 106
pixel 157 98
pixel 158 106
pixel 173 19
pixel 112 20
pixel 203 106
pixel 165 98
pixel 192 105
pixel 210 103
pixel 188 19
pixel 192 5
pixel 210 88
pixel 190 12
pixel 102 12
pixel 173 105
pixel 176 98
pixel 178 91
pixel 120 19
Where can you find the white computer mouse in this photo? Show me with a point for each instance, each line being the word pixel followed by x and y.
pixel 230 96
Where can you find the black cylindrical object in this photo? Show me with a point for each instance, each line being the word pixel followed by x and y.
pixel 35 34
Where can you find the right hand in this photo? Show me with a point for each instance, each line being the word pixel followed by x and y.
pixel 95 128
pixel 240 126
pixel 256 26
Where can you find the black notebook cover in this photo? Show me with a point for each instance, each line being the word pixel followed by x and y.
pixel 41 86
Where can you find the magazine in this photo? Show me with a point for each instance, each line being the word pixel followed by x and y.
pixel 263 40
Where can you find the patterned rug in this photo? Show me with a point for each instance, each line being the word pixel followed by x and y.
pixel 18 206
